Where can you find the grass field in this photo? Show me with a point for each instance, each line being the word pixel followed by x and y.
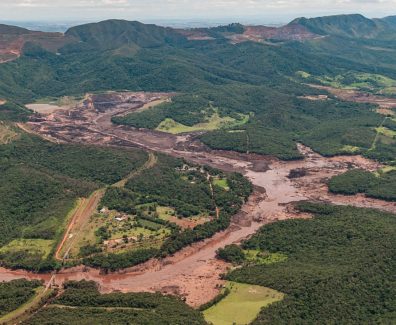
pixel 242 305
pixel 222 182
pixel 6 134
pixel 215 122
pixel 350 149
pixel 165 213
pixel 357 81
pixel 154 103
pixel 386 132
pixel 42 247
pixel 385 170
pixel 256 256
pixel 141 231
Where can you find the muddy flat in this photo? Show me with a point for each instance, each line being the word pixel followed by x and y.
pixel 46 108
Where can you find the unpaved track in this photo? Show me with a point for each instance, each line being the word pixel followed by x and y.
pixel 87 207
pixel 84 211
pixel 194 272
pixel 150 163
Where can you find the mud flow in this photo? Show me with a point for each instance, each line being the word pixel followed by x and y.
pixel 194 273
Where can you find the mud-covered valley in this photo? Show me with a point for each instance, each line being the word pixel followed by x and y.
pixel 194 273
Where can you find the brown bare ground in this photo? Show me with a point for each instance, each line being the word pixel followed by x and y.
pixel 359 97
pixel 386 112
pixel 46 108
pixel 188 223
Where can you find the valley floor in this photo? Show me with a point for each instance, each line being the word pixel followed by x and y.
pixel 194 273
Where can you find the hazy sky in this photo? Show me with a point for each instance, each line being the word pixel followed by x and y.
pixel 236 10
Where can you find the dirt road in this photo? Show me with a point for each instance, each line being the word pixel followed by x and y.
pixel 85 209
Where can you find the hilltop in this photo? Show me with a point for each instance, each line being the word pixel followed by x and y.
pixel 131 35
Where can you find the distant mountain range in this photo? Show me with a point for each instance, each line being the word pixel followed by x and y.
pixel 118 33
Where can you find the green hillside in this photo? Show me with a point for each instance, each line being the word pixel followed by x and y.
pixel 39 185
pixel 339 269
pixel 112 34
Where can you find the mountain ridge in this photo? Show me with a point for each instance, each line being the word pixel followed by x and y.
pixel 116 33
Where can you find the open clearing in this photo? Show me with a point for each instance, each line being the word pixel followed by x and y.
pixel 259 258
pixel 223 183
pixel 386 132
pixel 242 305
pixel 214 122
pixel 353 95
pixel 33 246
pixel 6 134
pixel 84 222
pixel 51 105
pixel 375 83
pixel 81 215
pixel 45 108
pixel 386 112
pixel 154 103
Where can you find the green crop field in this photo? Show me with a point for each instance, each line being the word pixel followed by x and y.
pixel 221 182
pixel 41 247
pixel 242 305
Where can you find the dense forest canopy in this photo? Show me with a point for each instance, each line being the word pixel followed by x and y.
pixel 343 257
pixel 15 293
pixel 40 183
pixel 232 79
pixel 249 89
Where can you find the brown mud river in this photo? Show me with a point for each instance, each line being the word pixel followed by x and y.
pixel 194 273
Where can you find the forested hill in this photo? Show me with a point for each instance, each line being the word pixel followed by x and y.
pixel 117 33
pixel 355 26
pixel 390 20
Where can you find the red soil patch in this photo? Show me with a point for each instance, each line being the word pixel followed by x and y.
pixel 290 32
pixel 13 39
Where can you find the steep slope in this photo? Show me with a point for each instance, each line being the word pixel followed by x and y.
pixel 13 39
